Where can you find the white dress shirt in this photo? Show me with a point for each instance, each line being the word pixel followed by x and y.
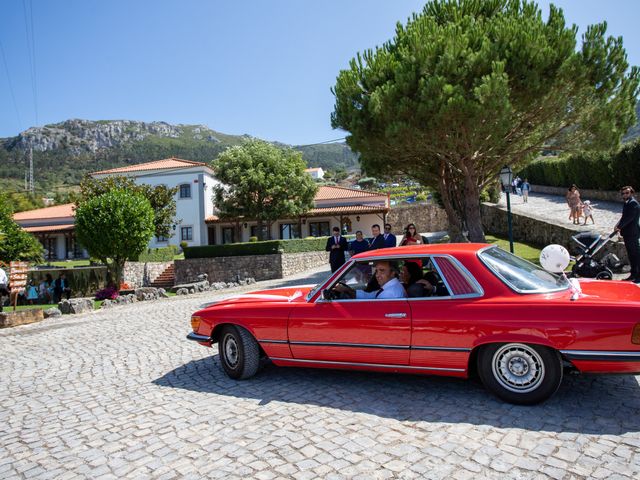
pixel 392 289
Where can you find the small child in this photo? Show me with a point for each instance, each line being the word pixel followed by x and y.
pixel 587 211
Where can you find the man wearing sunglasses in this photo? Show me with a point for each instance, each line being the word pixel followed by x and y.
pixel 629 228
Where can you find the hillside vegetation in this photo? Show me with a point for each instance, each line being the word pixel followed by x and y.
pixel 64 152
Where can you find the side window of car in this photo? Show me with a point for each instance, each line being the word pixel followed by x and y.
pixel 458 281
pixel 421 278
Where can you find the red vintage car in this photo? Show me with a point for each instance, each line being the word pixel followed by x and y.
pixel 481 311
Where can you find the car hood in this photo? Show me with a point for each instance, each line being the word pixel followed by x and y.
pixel 274 295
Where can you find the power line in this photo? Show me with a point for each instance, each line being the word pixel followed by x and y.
pixel 31 53
pixel 322 143
pixel 13 97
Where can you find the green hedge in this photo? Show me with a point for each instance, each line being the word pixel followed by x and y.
pixel 257 248
pixel 163 254
pixel 601 171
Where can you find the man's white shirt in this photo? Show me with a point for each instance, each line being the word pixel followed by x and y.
pixel 392 289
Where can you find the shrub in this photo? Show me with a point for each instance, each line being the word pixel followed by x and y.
pixel 108 293
pixel 253 239
pixel 268 247
pixel 184 245
pixel 163 254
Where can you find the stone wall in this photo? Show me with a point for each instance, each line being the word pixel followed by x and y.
pixel 427 218
pixel 141 274
pixel 258 267
pixel 537 232
pixel 585 194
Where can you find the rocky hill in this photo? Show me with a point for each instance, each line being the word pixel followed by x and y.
pixel 64 152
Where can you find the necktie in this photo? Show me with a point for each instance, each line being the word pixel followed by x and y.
pixel 379 292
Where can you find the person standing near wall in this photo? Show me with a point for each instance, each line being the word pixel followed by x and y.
pixel 629 228
pixel 336 246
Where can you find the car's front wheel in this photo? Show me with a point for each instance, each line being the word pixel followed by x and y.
pixel 520 373
pixel 239 352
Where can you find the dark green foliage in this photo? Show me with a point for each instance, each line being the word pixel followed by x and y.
pixel 467 86
pixel 162 254
pixel 161 198
pixel 15 243
pixel 600 171
pixel 268 247
pixel 114 227
pixel 262 182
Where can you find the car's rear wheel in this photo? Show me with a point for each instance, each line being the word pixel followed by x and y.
pixel 520 373
pixel 239 352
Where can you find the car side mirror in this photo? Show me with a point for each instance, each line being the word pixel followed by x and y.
pixel 327 295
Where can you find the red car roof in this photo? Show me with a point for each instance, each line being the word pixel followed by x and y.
pixel 442 248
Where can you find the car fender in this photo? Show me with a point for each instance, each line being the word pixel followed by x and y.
pixel 539 338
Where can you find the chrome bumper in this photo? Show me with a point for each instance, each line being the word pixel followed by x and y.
pixel 198 338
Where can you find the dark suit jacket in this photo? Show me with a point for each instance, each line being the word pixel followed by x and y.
pixel 628 224
pixel 390 241
pixel 336 255
pixel 377 242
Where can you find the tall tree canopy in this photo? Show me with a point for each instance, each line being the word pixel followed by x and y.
pixel 470 85
pixel 114 227
pixel 263 182
pixel 15 243
pixel 161 198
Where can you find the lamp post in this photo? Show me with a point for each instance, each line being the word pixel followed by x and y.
pixel 506 177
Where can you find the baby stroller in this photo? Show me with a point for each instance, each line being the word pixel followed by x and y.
pixel 588 245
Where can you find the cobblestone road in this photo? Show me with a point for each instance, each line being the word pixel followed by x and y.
pixel 121 394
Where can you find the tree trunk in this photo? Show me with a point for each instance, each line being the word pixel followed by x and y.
pixel 259 228
pixel 472 208
pixel 455 224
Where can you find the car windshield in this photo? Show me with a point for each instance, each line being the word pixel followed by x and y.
pixel 521 275
pixel 313 291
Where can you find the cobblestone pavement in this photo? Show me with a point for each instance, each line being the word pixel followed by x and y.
pixel 554 209
pixel 122 394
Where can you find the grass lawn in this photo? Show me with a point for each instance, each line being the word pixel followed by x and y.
pixel 70 263
pixel 528 252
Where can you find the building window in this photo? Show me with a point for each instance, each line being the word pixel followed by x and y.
pixel 319 229
pixel 289 231
pixel 186 233
pixel 265 231
pixel 185 190
pixel 228 235
pixel 161 239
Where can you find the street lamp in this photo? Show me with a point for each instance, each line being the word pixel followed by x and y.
pixel 506 177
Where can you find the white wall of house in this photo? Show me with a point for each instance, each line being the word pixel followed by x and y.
pixel 191 210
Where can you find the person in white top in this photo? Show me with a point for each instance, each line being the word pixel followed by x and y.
pixel 390 286
pixel 4 283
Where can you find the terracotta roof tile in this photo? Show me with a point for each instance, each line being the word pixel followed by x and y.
pixel 330 193
pixel 57 211
pixel 50 228
pixel 167 163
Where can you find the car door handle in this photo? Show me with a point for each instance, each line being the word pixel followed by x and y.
pixel 395 315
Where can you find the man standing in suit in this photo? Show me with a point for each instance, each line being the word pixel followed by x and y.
pixel 389 238
pixel 336 246
pixel 378 240
pixel 629 228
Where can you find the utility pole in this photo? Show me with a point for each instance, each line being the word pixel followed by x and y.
pixel 31 185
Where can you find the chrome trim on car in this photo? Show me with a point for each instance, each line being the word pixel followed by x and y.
pixel 356 345
pixel 273 341
pixel 375 365
pixel 198 338
pixel 444 349
pixel 602 355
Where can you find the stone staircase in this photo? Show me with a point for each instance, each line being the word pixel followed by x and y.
pixel 166 279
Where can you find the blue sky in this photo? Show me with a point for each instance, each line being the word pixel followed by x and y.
pixel 262 67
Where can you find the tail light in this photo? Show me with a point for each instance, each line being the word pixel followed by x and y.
pixel 195 322
pixel 635 334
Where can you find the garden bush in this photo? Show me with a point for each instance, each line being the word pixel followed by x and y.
pixel 268 247
pixel 162 254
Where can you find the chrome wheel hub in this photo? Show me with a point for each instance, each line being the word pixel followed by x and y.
pixel 230 347
pixel 518 368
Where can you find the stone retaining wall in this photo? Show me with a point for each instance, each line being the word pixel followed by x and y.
pixel 141 274
pixel 258 267
pixel 537 232
pixel 585 194
pixel 427 218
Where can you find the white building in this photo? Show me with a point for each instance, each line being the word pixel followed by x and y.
pixel 194 200
pixel 316 173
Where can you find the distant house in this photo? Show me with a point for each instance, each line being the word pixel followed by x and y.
pixel 197 222
pixel 347 208
pixel 194 200
pixel 54 227
pixel 316 173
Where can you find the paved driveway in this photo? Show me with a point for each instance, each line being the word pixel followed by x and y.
pixel 121 393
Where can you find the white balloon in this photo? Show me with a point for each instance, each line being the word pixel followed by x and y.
pixel 554 258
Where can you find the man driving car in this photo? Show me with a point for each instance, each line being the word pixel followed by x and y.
pixel 389 285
